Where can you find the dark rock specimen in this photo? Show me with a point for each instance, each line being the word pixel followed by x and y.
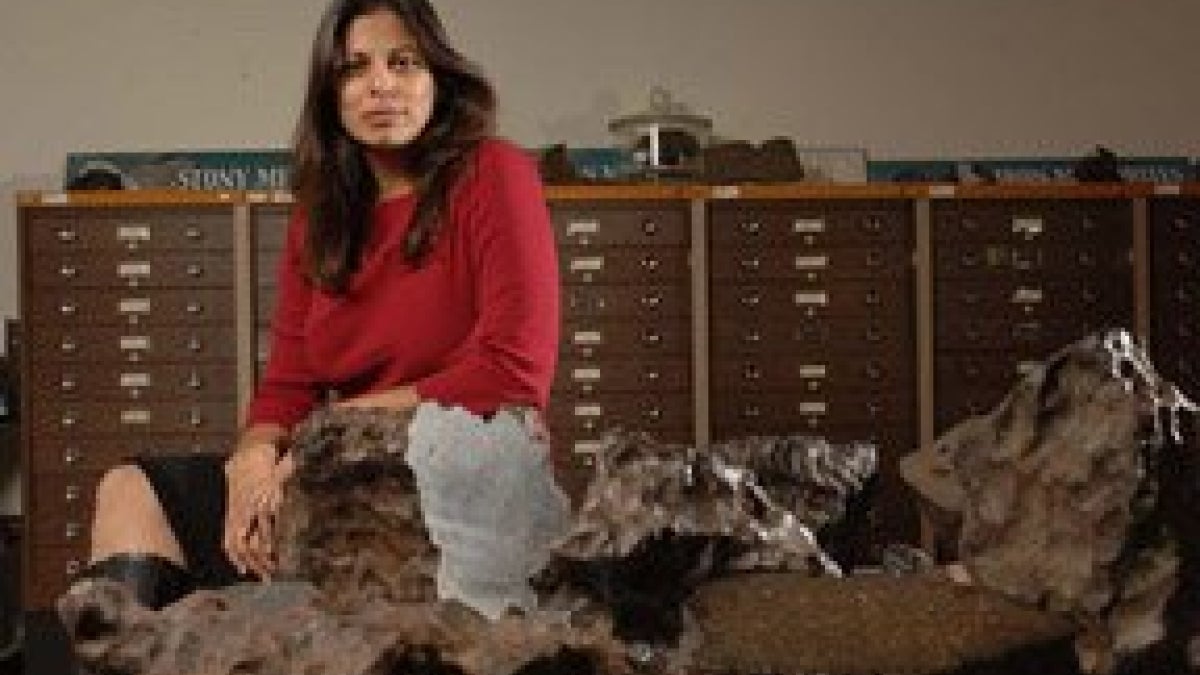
pixel 1055 494
pixel 362 573
pixel 659 520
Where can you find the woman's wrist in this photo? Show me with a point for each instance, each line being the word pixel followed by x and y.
pixel 260 438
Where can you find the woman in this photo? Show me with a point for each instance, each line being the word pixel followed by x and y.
pixel 419 265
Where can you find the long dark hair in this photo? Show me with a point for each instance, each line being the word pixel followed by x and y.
pixel 331 178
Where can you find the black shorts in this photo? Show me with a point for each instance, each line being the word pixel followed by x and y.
pixel 191 490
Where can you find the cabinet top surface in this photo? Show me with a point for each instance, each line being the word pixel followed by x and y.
pixel 660 191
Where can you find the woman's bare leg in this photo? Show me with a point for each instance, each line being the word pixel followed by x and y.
pixel 129 519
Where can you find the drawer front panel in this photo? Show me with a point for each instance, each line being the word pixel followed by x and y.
pixel 581 378
pixel 67 419
pixel 80 344
pixel 110 307
pixel 810 224
pixel 78 382
pixel 163 270
pixel 646 224
pixel 1062 221
pixel 605 339
pixel 131 229
pixel 751 265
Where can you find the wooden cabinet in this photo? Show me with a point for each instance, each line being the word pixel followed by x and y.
pixel 129 308
pixel 698 314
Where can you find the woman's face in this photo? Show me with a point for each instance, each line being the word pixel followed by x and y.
pixel 386 91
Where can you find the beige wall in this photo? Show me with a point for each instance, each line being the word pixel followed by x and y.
pixel 901 79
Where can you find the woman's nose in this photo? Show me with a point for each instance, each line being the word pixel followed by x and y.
pixel 382 79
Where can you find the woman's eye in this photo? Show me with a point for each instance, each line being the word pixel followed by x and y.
pixel 404 62
pixel 351 68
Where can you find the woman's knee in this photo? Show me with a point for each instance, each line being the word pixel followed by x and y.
pixel 123 487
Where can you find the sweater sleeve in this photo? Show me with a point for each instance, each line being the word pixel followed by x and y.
pixel 288 390
pixel 510 354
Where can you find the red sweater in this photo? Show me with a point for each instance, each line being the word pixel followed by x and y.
pixel 476 325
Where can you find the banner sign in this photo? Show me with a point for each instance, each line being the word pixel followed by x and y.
pixel 184 170
pixel 1025 170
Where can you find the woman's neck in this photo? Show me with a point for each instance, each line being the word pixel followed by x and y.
pixel 387 166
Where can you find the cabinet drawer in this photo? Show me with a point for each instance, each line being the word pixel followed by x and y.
pixel 586 416
pixel 624 265
pixel 77 382
pixel 804 412
pixel 810 224
pixel 94 453
pixel 162 270
pixel 270 223
pixel 754 264
pixel 1015 263
pixel 582 338
pixel 793 301
pixel 884 337
pixel 625 223
pixel 641 302
pixel 1035 298
pixel 68 419
pixel 1063 221
pixel 584 377
pixel 151 343
pixel 77 308
pixel 813 376
pixel 129 229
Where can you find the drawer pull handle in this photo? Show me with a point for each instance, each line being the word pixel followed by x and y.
pixel 872 224
pixel 72 493
pixel 751 264
pixel 1182 223
pixel 67 383
pixel 68 309
pixel 969 259
pixel 589 425
pixel 753 337
pixel 195 270
pixel 72 531
pixel 751 373
pixel 874 258
pixel 68 271
pixel 650 263
pixel 873 371
pixel 194 381
pixel 67 236
pixel 751 227
pixel 651 375
pixel 195 418
pixel 71 456
pixel 654 414
pixel 73 567
pixel 68 346
pixel 873 334
pixel 651 338
pixel 69 420
pixel 194 344
pixel 194 308
pixel 651 301
pixel 751 300
pixel 649 228
pixel 194 233
pixel 752 412
pixel 872 297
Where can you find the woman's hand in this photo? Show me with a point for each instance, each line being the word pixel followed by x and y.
pixel 399 399
pixel 254 476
